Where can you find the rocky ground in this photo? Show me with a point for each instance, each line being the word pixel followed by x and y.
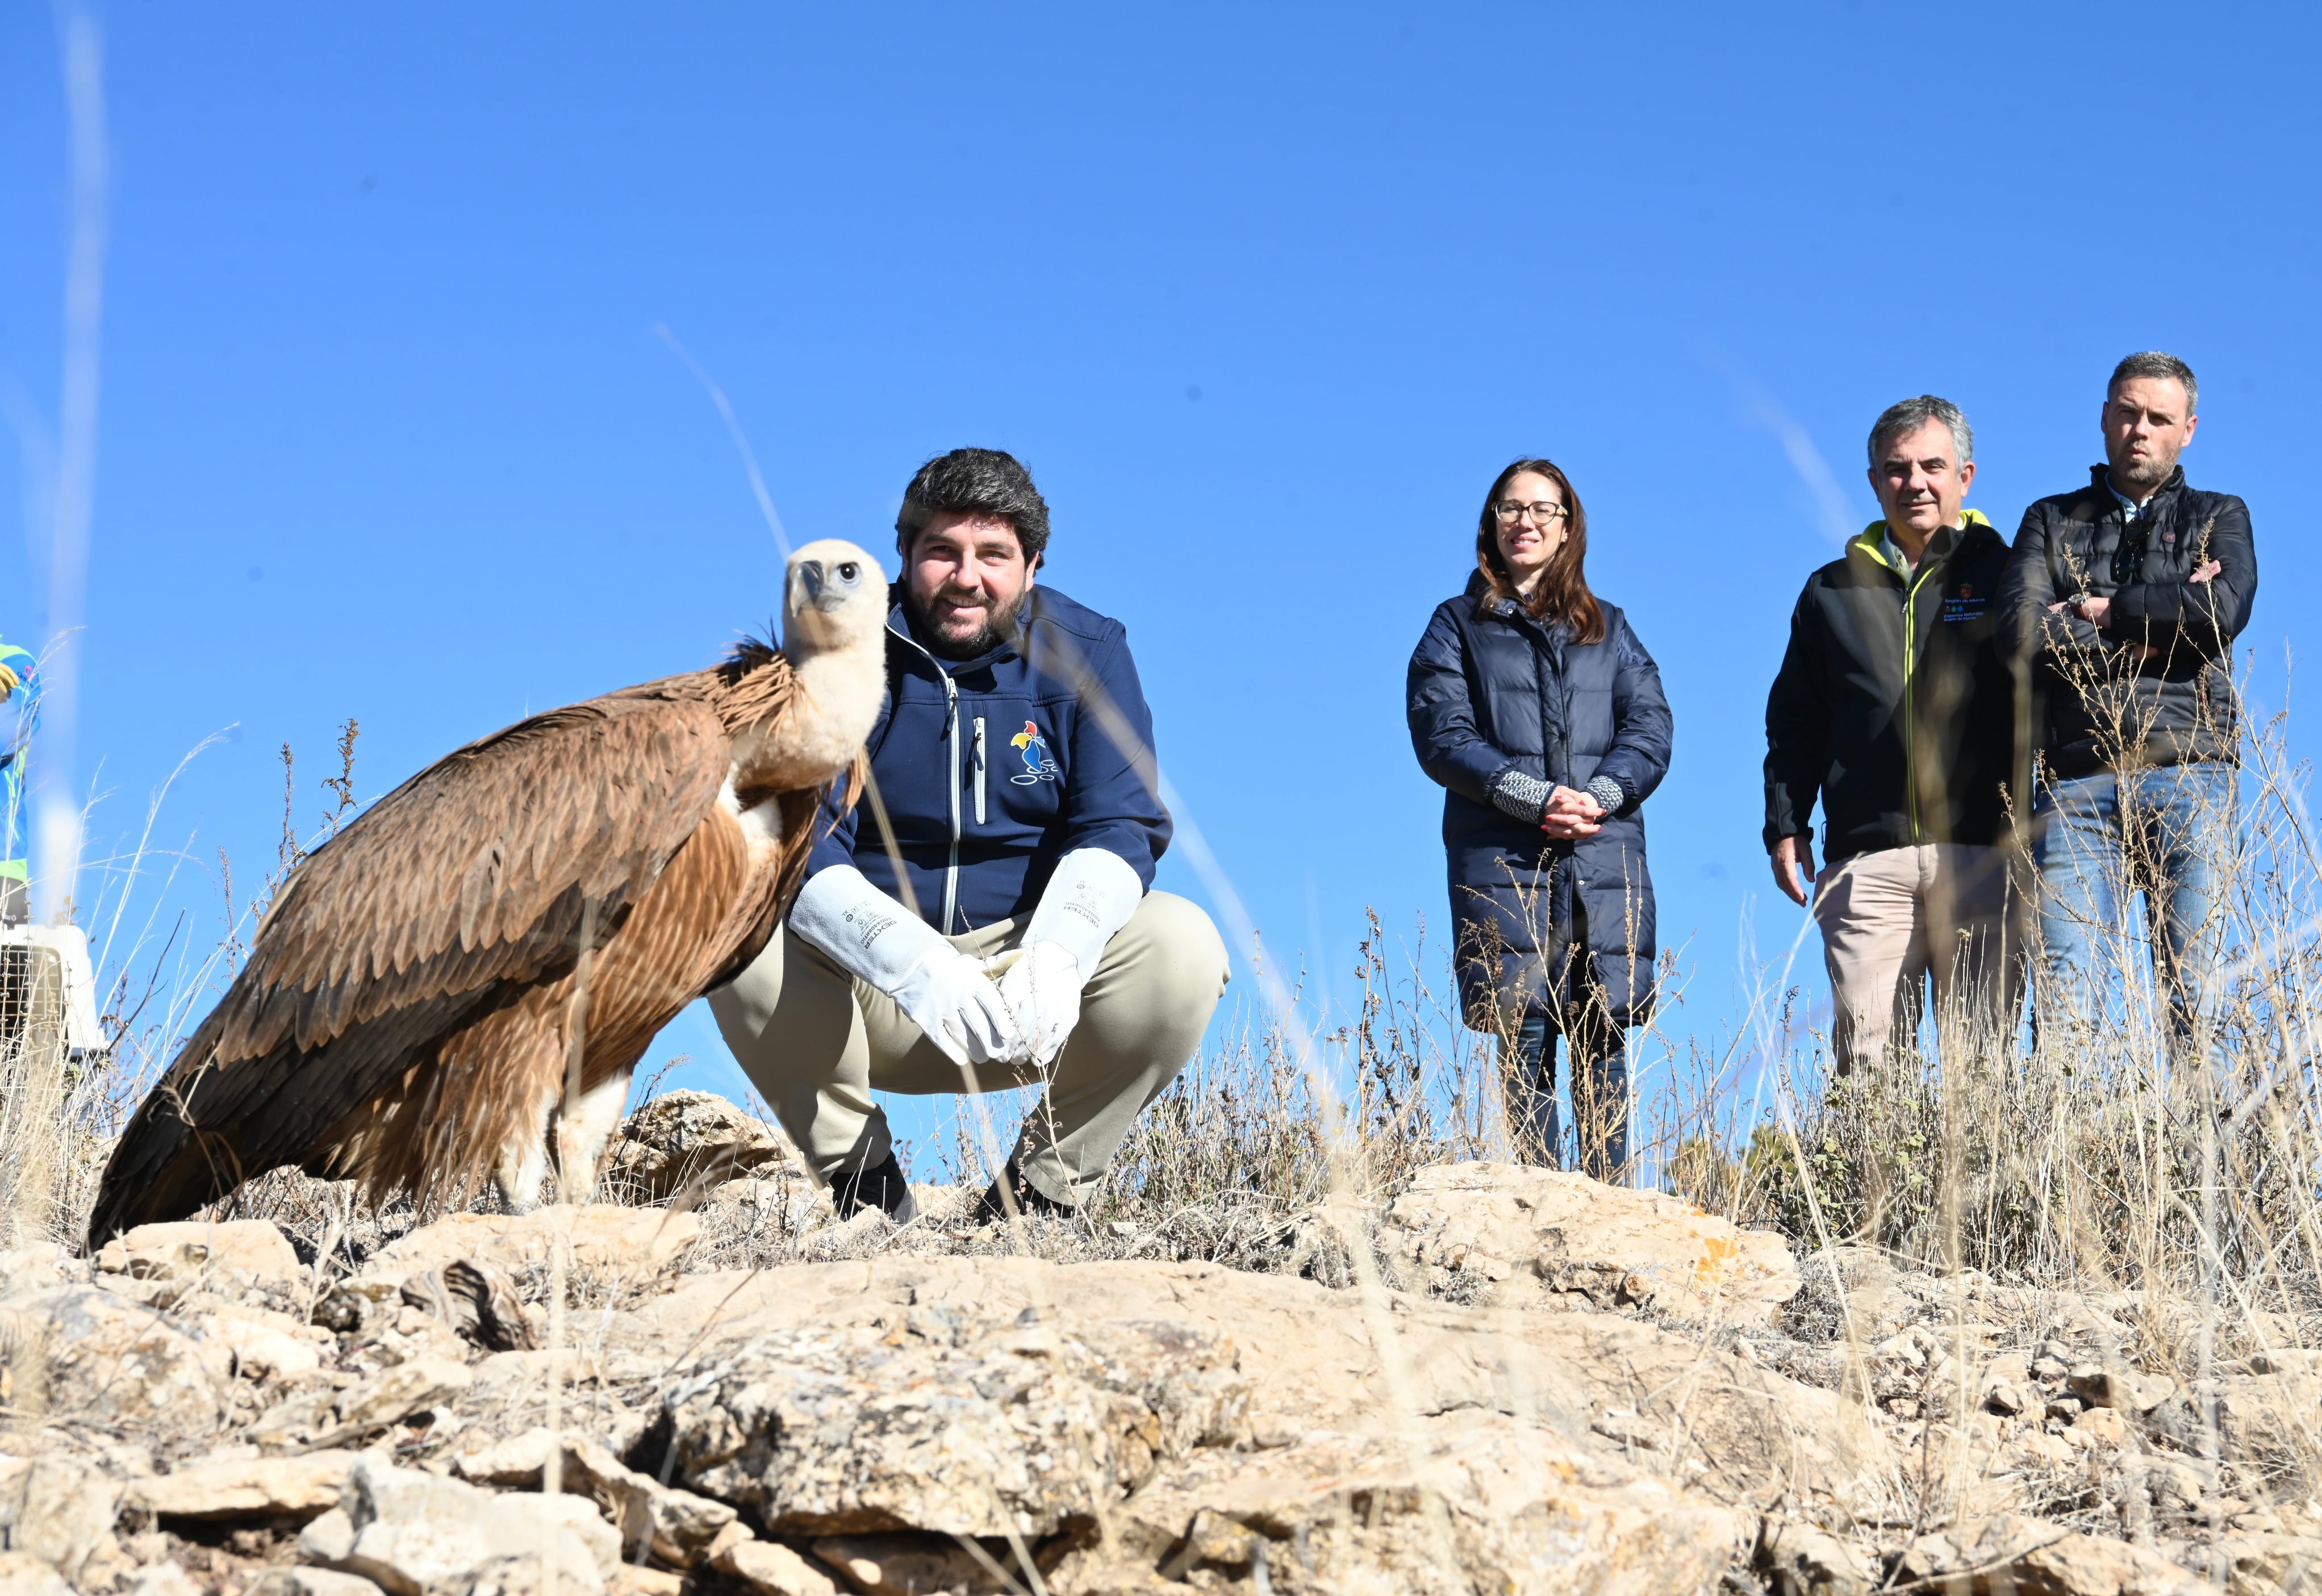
pixel 1501 1380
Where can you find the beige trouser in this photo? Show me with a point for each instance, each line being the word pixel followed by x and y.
pixel 1892 918
pixel 816 1042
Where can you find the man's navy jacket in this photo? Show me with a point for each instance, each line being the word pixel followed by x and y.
pixel 991 769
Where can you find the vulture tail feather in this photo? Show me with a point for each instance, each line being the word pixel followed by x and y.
pixel 190 1142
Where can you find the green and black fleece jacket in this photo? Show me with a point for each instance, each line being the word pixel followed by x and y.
pixel 1895 705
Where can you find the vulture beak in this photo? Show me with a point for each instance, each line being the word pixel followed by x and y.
pixel 810 585
pixel 819 586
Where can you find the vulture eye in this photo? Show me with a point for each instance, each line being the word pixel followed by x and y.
pixel 849 571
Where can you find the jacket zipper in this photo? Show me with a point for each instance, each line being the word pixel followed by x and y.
pixel 951 867
pixel 951 739
pixel 979 770
pixel 1910 694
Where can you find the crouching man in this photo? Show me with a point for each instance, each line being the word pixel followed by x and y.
pixel 996 931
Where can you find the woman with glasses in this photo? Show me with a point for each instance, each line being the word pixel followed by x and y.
pixel 1534 704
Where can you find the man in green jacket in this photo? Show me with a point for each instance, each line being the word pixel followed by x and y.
pixel 1896 706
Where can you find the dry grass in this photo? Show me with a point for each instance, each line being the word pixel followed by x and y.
pixel 2079 1162
pixel 2015 1185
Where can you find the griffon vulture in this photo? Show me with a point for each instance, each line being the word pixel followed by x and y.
pixel 406 1018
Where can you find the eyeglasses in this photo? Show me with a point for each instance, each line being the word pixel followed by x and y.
pixel 1543 512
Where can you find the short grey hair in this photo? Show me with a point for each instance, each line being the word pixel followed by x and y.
pixel 2156 363
pixel 1900 420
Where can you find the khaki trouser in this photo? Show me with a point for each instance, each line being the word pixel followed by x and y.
pixel 1892 918
pixel 816 1042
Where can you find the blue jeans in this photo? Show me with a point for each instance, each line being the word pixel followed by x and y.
pixel 1600 1096
pixel 2103 839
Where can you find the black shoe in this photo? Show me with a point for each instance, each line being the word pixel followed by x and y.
pixel 1031 1201
pixel 882 1188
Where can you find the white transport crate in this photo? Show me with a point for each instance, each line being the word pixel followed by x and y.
pixel 48 991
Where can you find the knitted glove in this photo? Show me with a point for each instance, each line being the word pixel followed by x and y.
pixel 1525 797
pixel 1521 796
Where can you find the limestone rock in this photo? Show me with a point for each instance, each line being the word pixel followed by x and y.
pixel 2018 1556
pixel 908 1565
pixel 335 1418
pixel 23 1361
pixel 39 1268
pixel 508 1379
pixel 782 1200
pixel 2122 1389
pixel 262 1343
pixel 57 1509
pixel 1315 1359
pixel 238 1252
pixel 99 1358
pixel 629 1243
pixel 2171 1486
pixel 417 1535
pixel 1512 1236
pixel 2261 1563
pixel 328 1539
pixel 310 1582
pixel 23 1575
pixel 949 1422
pixel 108 1565
pixel 1802 1560
pixel 772 1569
pixel 850 1401
pixel 1493 1505
pixel 163 1579
pixel 692 1138
pixel 677 1527
pixel 249 1488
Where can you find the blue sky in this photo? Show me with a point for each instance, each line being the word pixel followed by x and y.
pixel 1263 295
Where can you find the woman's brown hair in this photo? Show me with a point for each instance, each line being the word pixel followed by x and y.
pixel 1562 593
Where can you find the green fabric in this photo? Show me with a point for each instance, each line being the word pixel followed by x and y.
pixel 1868 539
pixel 1871 541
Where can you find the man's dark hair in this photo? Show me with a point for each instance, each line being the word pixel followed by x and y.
pixel 2153 362
pixel 975 482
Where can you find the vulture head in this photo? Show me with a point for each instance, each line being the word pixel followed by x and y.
pixel 835 600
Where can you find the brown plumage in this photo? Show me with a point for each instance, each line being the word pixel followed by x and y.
pixel 405 1018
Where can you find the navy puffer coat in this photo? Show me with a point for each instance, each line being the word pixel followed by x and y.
pixel 1490 687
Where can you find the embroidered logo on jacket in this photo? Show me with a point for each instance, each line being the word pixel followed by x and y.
pixel 1966 605
pixel 1037 765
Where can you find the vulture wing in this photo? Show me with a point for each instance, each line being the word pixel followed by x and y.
pixel 461 888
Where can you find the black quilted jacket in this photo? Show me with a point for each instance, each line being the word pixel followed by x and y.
pixel 1490 688
pixel 2100 701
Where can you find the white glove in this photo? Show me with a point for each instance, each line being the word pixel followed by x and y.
pixel 1086 903
pixel 871 936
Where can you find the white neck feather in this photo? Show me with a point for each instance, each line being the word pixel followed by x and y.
pixel 813 740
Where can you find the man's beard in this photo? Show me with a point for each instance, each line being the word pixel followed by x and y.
pixel 999 626
pixel 2143 474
